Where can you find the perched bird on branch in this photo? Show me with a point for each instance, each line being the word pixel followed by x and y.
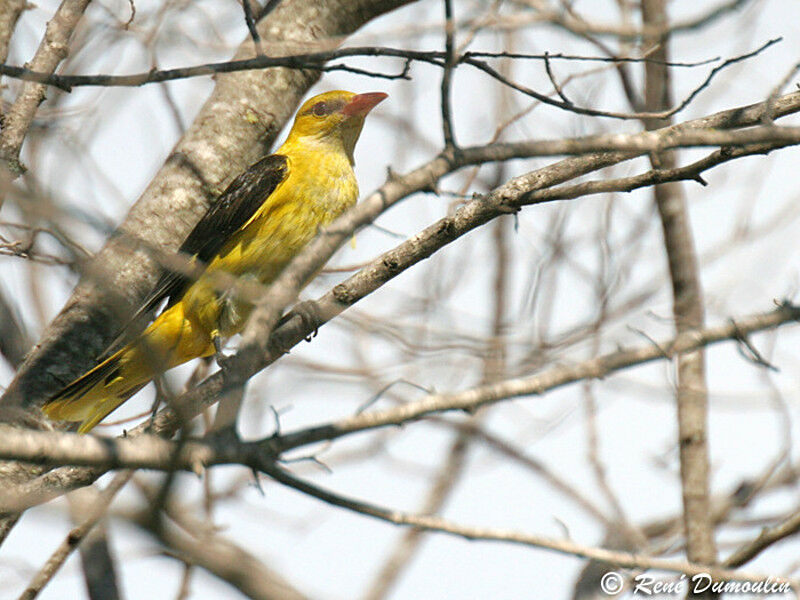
pixel 258 224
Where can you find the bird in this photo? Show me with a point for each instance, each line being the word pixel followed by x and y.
pixel 257 225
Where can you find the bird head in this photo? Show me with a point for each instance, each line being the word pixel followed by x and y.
pixel 335 118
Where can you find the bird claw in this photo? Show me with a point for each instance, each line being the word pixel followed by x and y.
pixel 223 360
pixel 309 313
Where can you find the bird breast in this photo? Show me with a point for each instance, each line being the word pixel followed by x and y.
pixel 312 196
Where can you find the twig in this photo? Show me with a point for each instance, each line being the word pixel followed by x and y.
pixel 447 76
pixel 130 20
pixel 751 353
pixel 556 85
pixel 581 110
pixel 251 27
pixel 765 539
pixel 437 524
pixel 549 57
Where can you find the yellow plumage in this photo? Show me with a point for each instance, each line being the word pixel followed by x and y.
pixel 310 182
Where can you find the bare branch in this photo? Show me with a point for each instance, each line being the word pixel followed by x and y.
pixel 316 62
pixel 52 50
pixel 765 539
pixel 141 451
pixel 251 27
pixel 447 76
pixel 649 114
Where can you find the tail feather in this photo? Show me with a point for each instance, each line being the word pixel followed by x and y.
pixel 95 394
pixel 169 341
pixel 58 407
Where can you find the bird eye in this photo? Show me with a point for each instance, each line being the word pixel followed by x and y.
pixel 320 109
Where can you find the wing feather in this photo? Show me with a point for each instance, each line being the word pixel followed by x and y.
pixel 235 206
pixel 231 211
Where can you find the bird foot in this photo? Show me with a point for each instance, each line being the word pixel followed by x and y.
pixel 310 315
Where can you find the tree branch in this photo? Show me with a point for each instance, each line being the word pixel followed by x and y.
pixel 145 451
pixel 52 50
pixel 688 312
pixel 196 544
pixel 437 524
pixel 93 516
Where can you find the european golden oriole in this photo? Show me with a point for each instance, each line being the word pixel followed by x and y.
pixel 258 224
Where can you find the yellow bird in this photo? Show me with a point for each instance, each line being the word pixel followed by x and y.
pixel 258 224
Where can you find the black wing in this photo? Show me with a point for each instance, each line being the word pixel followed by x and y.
pixel 234 207
pixel 240 201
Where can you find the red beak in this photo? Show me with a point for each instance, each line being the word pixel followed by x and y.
pixel 361 104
